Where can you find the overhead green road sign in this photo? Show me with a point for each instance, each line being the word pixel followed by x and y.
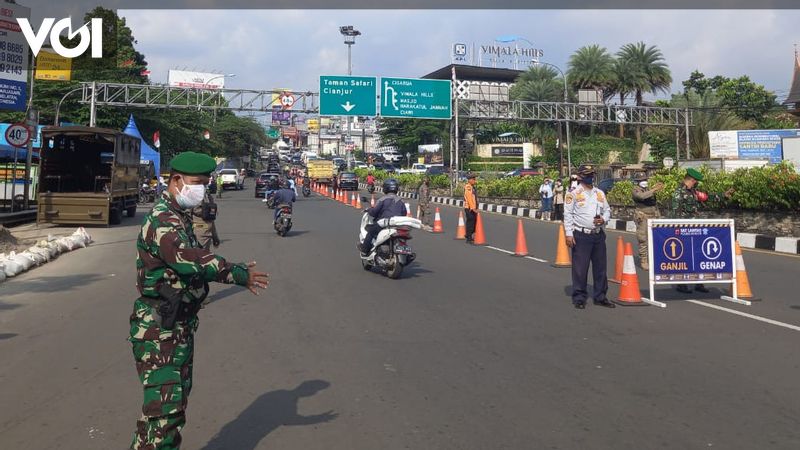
pixel 415 98
pixel 347 95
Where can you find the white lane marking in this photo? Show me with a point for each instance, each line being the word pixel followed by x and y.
pixel 500 250
pixel 511 253
pixel 744 314
pixel 537 259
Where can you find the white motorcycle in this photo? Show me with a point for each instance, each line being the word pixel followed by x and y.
pixel 390 250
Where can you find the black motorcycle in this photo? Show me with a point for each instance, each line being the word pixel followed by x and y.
pixel 306 191
pixel 146 195
pixel 371 188
pixel 284 221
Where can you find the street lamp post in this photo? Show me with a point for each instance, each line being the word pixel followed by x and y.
pixel 566 97
pixel 228 75
pixel 349 34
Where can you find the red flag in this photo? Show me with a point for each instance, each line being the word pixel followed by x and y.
pixel 144 73
pixel 157 139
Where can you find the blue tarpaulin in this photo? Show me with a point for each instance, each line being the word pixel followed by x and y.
pixel 148 153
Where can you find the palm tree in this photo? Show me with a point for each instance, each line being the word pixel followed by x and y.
pixel 591 67
pixel 538 84
pixel 649 72
pixel 628 78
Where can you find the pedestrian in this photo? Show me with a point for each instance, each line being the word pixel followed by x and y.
pixel 220 188
pixel 558 196
pixel 644 200
pixel 424 196
pixel 586 211
pixel 686 201
pixel 573 182
pixel 546 194
pixel 204 222
pixel 173 273
pixel 470 207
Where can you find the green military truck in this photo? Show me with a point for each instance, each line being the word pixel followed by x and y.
pixel 88 176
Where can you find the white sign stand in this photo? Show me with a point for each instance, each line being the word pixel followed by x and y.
pixel 692 222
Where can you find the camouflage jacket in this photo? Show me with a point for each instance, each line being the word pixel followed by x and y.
pixel 685 203
pixel 168 252
pixel 424 194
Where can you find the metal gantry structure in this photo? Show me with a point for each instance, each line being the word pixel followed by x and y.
pixel 162 96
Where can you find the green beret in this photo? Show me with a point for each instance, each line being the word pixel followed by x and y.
pixel 193 163
pixel 694 173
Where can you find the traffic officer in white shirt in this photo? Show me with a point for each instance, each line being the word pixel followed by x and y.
pixel 586 212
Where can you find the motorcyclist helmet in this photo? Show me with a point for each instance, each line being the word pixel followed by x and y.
pixel 287 184
pixel 390 186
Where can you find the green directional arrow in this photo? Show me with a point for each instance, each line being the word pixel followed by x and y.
pixel 347 95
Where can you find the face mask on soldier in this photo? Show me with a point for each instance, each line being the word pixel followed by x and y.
pixel 191 195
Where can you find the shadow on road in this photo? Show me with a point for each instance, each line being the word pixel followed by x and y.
pixel 52 284
pixel 268 412
pixel 227 292
pixel 6 306
pixel 4 336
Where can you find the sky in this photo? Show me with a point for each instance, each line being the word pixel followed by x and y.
pixel 269 49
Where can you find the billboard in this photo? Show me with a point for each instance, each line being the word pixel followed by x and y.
pixel 15 63
pixel 52 66
pixel 281 117
pixel 749 144
pixel 201 80
pixel 313 125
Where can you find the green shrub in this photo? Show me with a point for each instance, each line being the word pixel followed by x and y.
pixel 621 193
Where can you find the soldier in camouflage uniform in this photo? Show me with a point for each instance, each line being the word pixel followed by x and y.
pixel 686 201
pixel 644 200
pixel 173 273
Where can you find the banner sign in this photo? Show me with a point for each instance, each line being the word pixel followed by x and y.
pixel 52 66
pixel 692 251
pixel 201 80
pixel 14 52
pixel 280 116
pixel 749 144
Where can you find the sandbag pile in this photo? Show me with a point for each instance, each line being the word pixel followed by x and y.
pixel 13 263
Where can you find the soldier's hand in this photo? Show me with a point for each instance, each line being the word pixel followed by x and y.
pixel 256 280
pixel 729 192
pixel 659 186
pixel 570 241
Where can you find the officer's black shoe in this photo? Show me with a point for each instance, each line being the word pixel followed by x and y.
pixel 605 303
pixel 701 288
pixel 684 289
pixel 579 305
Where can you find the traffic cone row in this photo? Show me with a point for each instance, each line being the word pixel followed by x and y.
pixel 437 222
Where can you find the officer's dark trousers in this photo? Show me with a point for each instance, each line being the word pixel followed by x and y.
pixel 471 217
pixel 589 248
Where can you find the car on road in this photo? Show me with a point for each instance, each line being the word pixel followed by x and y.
pixel 520 172
pixel 266 181
pixel 386 167
pixel 360 165
pixel 296 159
pixel 417 169
pixel 436 169
pixel 348 181
pixel 392 156
pixel 232 179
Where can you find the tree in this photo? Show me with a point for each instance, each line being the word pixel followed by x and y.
pixel 628 78
pixel 591 67
pixel 538 84
pixel 746 99
pixel 706 116
pixel 407 134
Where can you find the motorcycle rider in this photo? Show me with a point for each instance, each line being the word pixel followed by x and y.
pixel 284 196
pixel 390 205
pixel 370 180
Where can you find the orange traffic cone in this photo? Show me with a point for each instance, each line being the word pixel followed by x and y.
pixel 562 252
pixel 437 222
pixel 618 266
pixel 461 230
pixel 480 238
pixel 522 245
pixel 742 282
pixel 358 202
pixel 629 294
pixel 353 200
pixel 408 210
pixel 372 201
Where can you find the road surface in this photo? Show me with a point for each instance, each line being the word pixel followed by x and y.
pixel 471 349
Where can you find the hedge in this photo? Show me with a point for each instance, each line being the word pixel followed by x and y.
pixel 771 188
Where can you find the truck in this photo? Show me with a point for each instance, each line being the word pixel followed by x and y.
pixel 232 178
pixel 88 176
pixel 320 170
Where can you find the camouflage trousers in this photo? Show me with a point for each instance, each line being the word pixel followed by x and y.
pixel 425 214
pixel 164 364
pixel 640 216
